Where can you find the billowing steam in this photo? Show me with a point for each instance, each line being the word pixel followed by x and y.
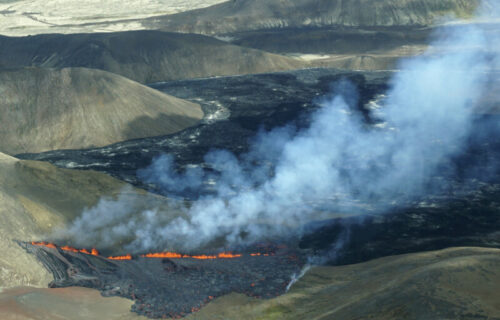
pixel 338 163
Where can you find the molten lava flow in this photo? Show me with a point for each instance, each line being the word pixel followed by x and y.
pixel 170 255
pixel 84 251
pixel 67 248
pixel 125 257
pixel 228 255
pixel 203 257
pixel 174 255
pixel 93 252
pixel 44 244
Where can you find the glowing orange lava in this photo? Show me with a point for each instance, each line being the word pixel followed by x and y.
pixel 169 255
pixel 84 251
pixel 93 252
pixel 228 255
pixel 44 244
pixel 175 255
pixel 125 257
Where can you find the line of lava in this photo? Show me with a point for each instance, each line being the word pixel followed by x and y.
pixel 170 255
pixel 125 257
pixel 92 252
pixel 174 255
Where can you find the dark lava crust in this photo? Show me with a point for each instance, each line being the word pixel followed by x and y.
pixel 171 288
pixel 472 220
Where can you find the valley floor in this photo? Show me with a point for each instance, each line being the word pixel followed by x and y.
pixel 25 17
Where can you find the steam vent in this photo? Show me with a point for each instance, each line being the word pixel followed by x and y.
pixel 170 285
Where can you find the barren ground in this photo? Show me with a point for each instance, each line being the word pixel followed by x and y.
pixel 25 17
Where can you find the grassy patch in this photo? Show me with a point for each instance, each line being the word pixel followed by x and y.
pixel 278 311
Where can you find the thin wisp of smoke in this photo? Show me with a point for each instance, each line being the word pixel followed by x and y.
pixel 335 164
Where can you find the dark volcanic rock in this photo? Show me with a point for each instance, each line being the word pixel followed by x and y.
pixel 464 211
pixel 473 220
pixel 332 40
pixel 172 287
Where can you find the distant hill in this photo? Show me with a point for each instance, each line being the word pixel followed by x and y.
pixel 143 56
pixel 73 108
pixel 245 15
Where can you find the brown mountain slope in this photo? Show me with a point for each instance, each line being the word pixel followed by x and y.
pixel 34 198
pixel 38 199
pixel 143 56
pixel 46 109
pixel 246 15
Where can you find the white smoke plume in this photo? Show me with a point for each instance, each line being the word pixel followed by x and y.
pixel 337 162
